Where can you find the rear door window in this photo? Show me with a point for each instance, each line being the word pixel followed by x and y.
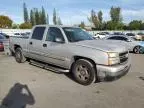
pixel 38 33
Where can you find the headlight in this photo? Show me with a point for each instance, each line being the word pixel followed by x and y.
pixel 113 61
pixel 113 54
pixel 113 58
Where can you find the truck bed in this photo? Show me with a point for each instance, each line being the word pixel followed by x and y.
pixel 21 41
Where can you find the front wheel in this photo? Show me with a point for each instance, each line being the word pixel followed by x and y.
pixel 138 50
pixel 84 72
pixel 19 57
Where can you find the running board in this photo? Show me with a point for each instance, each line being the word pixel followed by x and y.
pixel 49 67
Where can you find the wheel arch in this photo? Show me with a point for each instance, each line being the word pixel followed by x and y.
pixel 16 46
pixel 86 58
pixel 76 57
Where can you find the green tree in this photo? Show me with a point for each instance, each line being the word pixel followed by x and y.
pixel 32 17
pixel 40 17
pixel 110 25
pixel 94 19
pixel 104 25
pixel 26 17
pixel 15 26
pixel 120 26
pixel 116 19
pixel 91 18
pixel 135 25
pixel 47 19
pixel 115 14
pixel 82 25
pixel 54 17
pixel 43 16
pixel 59 22
pixel 100 14
pixel 114 25
pixel 25 25
pixel 37 17
pixel 142 26
pixel 100 18
pixel 5 22
pixel 125 27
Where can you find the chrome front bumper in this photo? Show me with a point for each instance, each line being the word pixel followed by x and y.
pixel 112 72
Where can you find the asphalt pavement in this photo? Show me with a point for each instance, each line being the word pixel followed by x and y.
pixel 24 85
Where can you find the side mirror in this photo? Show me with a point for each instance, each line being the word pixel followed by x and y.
pixel 59 40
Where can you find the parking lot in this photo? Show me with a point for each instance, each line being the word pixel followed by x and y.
pixel 52 90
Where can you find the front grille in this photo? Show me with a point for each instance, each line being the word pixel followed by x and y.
pixel 123 57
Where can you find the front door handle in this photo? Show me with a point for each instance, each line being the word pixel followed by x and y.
pixel 44 45
pixel 30 43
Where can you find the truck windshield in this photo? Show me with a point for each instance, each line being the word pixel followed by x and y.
pixel 76 34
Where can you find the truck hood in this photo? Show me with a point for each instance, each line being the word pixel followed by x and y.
pixel 103 45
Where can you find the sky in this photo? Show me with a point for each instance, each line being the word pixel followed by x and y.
pixel 74 11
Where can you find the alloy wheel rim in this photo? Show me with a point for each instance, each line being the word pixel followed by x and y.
pixel 82 73
pixel 137 50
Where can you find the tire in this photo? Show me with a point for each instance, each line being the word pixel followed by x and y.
pixel 138 50
pixel 84 72
pixel 19 57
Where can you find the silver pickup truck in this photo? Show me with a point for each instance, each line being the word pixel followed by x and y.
pixel 71 49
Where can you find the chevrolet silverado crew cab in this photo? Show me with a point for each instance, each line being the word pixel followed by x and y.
pixel 71 49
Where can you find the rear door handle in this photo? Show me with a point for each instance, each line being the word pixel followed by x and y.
pixel 30 43
pixel 44 45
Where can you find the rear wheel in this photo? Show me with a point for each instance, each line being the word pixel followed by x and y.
pixel 19 57
pixel 84 72
pixel 138 50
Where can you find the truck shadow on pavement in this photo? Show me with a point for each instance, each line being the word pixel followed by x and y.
pixel 18 97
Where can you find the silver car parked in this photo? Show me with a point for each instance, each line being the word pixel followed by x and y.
pixel 132 44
